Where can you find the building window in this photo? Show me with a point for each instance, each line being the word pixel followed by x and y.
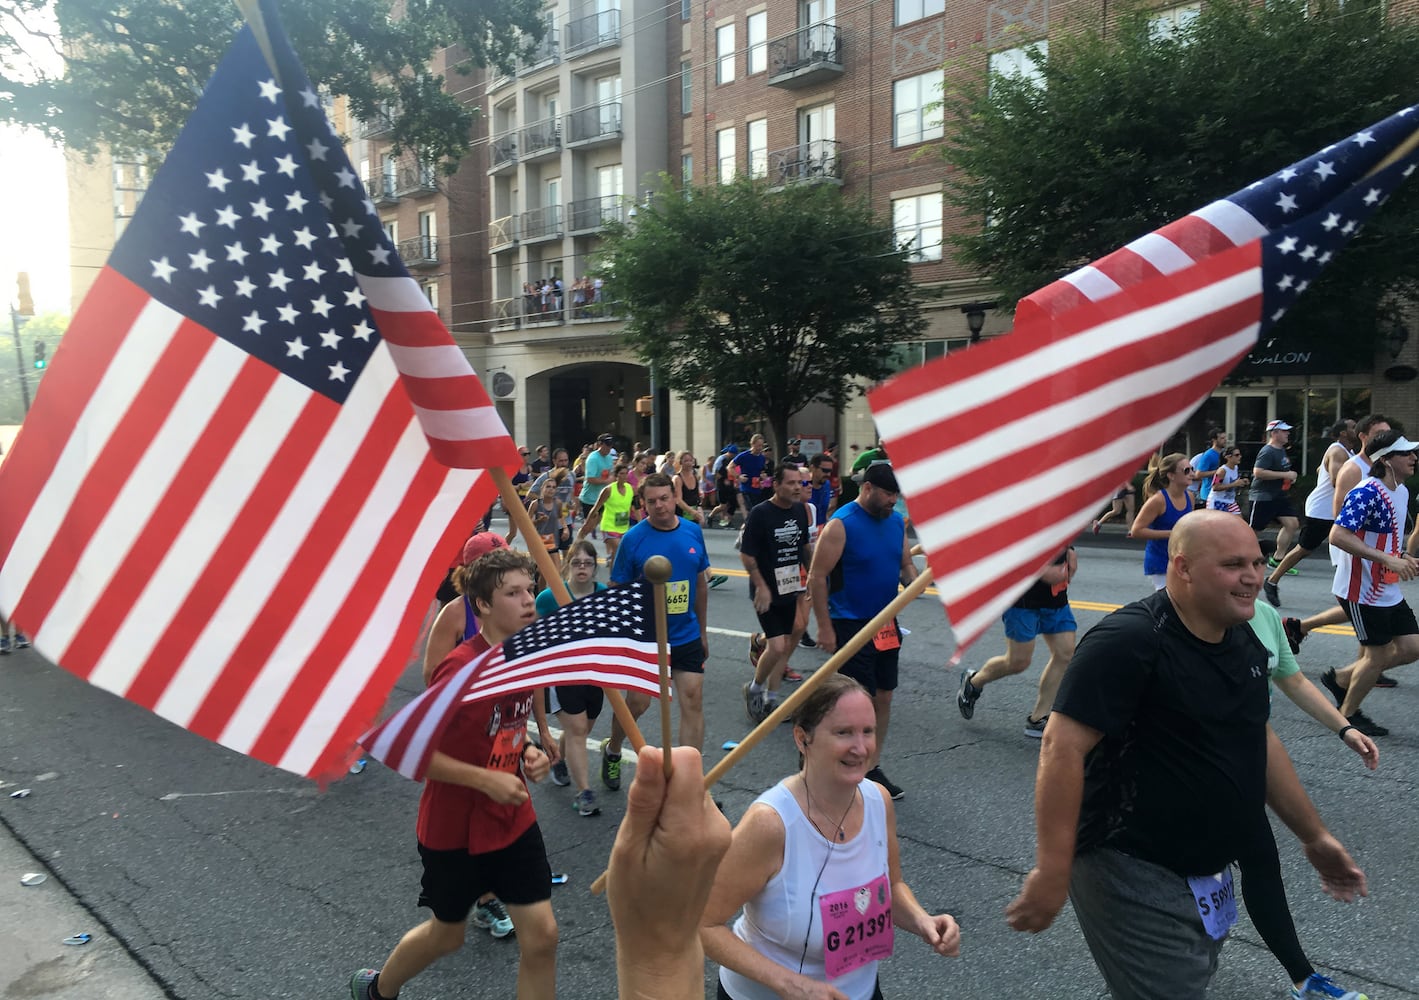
pixel 916 108
pixel 757 35
pixel 1164 24
pixel 1025 61
pixel 687 169
pixel 391 229
pixel 724 142
pixel 915 10
pixel 431 292
pixel 687 93
pixel 685 10
pixel 724 54
pixel 916 224
pixel 758 148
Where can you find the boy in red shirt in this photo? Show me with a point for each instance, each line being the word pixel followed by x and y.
pixel 477 830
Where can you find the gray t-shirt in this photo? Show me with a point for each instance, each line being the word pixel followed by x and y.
pixel 1273 459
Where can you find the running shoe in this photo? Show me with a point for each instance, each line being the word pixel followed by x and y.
pixel 361 984
pixel 1273 564
pixel 610 767
pixel 1321 986
pixel 585 803
pixel 1035 728
pixel 1273 595
pixel 791 676
pixel 4 645
pixel 966 695
pixel 807 642
pixel 1386 681
pixel 1097 526
pixel 758 642
pixel 560 775
pixel 716 579
pixel 20 641
pixel 894 792
pixel 1337 692
pixel 492 917
pixel 754 705
pixel 1294 635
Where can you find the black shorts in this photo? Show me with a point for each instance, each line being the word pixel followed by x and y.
pixel 726 495
pixel 576 699
pixel 778 620
pixel 1375 626
pixel 519 874
pixel 1263 512
pixel 689 657
pixel 873 668
pixel 1314 533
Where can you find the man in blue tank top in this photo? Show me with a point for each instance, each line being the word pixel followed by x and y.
pixel 860 559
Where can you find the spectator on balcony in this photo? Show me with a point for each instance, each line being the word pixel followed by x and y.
pixel 530 298
pixel 578 297
pixel 596 290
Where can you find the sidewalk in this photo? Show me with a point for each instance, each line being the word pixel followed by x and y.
pixel 35 920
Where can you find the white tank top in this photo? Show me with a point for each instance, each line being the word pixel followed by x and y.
pixel 777 921
pixel 1320 504
pixel 1364 464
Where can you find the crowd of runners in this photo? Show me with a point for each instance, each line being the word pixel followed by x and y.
pixel 1162 705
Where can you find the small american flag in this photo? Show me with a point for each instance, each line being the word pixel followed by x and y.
pixel 1107 362
pixel 235 492
pixel 606 639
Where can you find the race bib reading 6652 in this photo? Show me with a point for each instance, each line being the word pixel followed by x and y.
pixel 677 597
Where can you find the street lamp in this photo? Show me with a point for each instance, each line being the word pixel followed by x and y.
pixel 975 317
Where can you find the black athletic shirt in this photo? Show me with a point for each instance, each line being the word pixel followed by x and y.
pixel 1179 778
pixel 775 538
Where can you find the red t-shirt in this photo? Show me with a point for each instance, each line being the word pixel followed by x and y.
pixel 489 734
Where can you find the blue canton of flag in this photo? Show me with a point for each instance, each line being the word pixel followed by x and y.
pixel 254 226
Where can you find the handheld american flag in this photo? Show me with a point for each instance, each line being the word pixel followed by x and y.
pixel 606 639
pixel 235 491
pixel 1107 362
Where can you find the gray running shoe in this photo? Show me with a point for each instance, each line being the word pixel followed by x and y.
pixel 967 695
pixel 560 775
pixel 585 803
pixel 1035 728
pixel 361 982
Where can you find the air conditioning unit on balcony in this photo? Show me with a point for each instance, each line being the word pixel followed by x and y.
pixel 504 387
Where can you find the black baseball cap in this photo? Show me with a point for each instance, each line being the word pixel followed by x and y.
pixel 880 475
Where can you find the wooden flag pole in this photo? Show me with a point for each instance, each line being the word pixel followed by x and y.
pixel 787 707
pixel 517 514
pixel 657 571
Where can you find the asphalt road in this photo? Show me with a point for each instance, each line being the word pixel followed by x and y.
pixel 226 878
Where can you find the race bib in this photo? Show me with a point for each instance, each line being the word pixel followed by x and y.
pixel 550 542
pixel 621 520
pixel 788 579
pixel 888 638
pixel 857 926
pixel 1216 900
pixel 1058 588
pixel 677 597
pixel 507 749
pixel 757 483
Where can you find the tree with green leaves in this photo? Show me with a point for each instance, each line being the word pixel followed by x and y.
pixel 44 328
pixel 762 301
pixel 91 73
pixel 1127 129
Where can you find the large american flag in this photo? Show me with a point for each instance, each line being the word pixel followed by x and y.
pixel 606 639
pixel 256 446
pixel 1006 450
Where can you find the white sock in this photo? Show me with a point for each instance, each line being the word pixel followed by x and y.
pixel 755 687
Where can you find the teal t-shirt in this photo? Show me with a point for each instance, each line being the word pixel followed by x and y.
pixel 547 601
pixel 1266 624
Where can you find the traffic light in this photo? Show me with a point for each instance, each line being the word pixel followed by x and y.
pixel 39 359
pixel 22 285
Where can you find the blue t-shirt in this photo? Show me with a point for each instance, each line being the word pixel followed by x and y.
pixel 1209 461
pixel 751 465
pixel 684 546
pixel 547 601
pixel 871 562
pixel 820 496
pixel 596 464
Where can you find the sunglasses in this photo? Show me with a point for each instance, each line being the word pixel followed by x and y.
pixel 583 564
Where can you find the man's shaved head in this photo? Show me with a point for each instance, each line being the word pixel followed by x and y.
pixel 1214 571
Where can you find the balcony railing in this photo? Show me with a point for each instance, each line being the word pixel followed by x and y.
pixel 420 251
pixel 382 124
pixel 542 223
pixel 599 122
pixel 506 313
pixel 544 53
pixel 502 233
pixel 818 161
pixel 422 179
pixel 806 57
pixel 381 188
pixel 595 213
pixel 535 307
pixel 594 31
pixel 502 152
pixel 541 138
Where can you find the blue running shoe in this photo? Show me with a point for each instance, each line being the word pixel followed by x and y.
pixel 1321 986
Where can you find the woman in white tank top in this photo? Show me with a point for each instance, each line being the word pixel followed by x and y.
pixel 815 867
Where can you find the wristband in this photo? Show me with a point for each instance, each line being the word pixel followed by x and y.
pixel 1343 731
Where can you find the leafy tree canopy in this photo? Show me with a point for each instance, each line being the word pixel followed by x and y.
pixel 128 73
pixel 1130 129
pixel 762 301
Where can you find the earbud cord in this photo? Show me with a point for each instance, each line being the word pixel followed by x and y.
pixel 832 846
